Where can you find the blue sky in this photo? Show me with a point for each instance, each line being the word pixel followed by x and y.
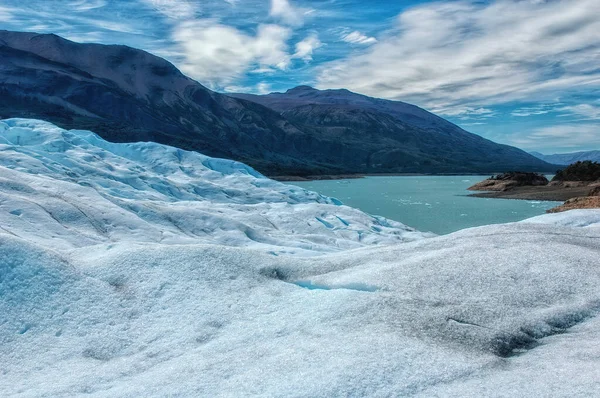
pixel 520 72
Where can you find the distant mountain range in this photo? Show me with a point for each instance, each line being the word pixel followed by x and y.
pixel 568 158
pixel 128 95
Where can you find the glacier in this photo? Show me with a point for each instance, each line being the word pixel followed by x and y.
pixel 86 191
pixel 143 270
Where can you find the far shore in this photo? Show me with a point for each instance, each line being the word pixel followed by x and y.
pixel 288 178
pixel 543 193
pixel 550 193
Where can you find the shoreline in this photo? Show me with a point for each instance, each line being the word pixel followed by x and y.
pixel 541 193
pixel 544 193
pixel 327 177
pixel 324 177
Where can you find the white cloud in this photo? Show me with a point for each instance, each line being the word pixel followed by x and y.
pixel 263 70
pixel 286 12
pixel 82 37
pixel 358 38
pixel 583 111
pixel 559 137
pixel 174 9
pixel 534 110
pixel 108 25
pixel 306 47
pixel 467 53
pixel 263 88
pixel 467 112
pixel 586 111
pixel 6 14
pixel 217 54
pixel 86 5
pixel 237 89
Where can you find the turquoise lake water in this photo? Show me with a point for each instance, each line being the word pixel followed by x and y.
pixel 437 204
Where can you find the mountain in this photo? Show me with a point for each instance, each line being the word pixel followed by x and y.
pixel 128 95
pixel 143 270
pixel 376 135
pixel 568 158
pixel 305 95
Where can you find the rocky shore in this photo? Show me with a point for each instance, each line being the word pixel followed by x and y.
pixel 508 181
pixel 550 192
pixel 592 201
pixel 531 186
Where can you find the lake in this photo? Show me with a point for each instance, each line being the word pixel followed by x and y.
pixel 437 204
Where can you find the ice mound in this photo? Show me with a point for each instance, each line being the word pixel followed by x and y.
pixel 573 218
pixel 117 278
pixel 506 310
pixel 84 191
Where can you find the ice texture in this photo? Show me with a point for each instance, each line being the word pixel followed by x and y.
pixel 128 270
pixel 83 190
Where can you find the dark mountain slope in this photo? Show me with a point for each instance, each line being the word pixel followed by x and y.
pixel 304 95
pixel 397 135
pixel 125 94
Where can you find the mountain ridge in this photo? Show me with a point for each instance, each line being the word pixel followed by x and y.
pixel 129 95
pixel 568 158
pixel 310 108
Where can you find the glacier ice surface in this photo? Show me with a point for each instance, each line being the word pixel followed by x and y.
pixel 86 191
pixel 142 270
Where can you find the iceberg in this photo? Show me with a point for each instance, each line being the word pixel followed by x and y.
pixel 142 270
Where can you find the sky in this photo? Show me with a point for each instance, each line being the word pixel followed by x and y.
pixel 520 72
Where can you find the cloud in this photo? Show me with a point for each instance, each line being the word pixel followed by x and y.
pixel 284 11
pixel 582 111
pixel 358 38
pixel 6 14
pixel 218 54
pixel 469 53
pixel 567 137
pixel 83 37
pixel 86 5
pixel 237 89
pixel 263 70
pixel 261 88
pixel 466 113
pixel 306 47
pixel 534 110
pixel 108 25
pixel 174 9
pixel 586 111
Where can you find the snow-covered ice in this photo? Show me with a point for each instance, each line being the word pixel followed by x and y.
pixel 84 190
pixel 142 270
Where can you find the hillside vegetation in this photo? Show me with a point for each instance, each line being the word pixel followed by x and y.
pixel 579 171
